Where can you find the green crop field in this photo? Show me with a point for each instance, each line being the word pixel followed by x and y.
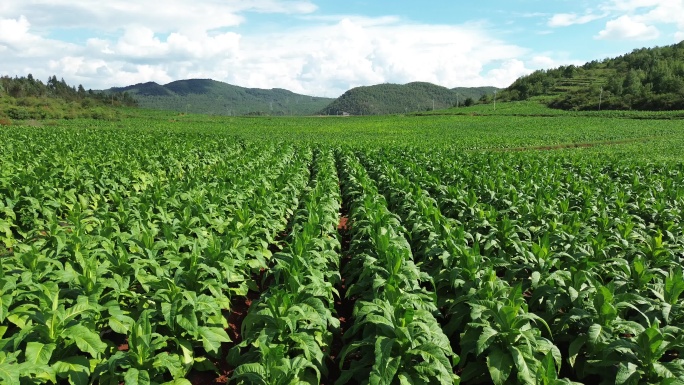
pixel 467 248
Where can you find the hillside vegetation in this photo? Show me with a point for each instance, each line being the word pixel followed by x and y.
pixel 645 79
pixel 395 98
pixel 205 96
pixel 24 98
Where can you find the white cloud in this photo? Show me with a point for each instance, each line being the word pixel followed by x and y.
pixel 25 52
pixel 16 35
pixel 666 12
pixel 627 28
pixel 633 5
pixel 323 55
pixel 550 60
pixel 173 15
pixel 679 36
pixel 332 58
pixel 508 72
pixel 650 12
pixel 141 43
pixel 568 19
pixel 543 62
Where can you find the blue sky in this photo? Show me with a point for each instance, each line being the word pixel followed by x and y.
pixel 322 47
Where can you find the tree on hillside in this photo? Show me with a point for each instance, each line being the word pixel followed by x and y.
pixel 648 78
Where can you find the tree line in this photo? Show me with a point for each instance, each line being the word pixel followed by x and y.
pixel 26 97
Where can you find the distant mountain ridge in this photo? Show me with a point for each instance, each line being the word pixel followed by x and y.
pixel 401 98
pixel 206 96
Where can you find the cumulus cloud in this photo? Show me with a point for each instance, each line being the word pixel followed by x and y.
pixel 348 53
pixel 323 55
pixel 679 36
pixel 141 43
pixel 665 12
pixel 641 19
pixel 568 19
pixel 16 36
pixel 625 27
pixel 510 69
pixel 24 51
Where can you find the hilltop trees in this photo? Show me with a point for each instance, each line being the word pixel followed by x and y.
pixel 29 98
pixel 647 78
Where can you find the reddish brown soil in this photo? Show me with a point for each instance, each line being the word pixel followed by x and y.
pixel 118 340
pixel 235 317
pixel 343 225
pixel 199 378
pixel 344 307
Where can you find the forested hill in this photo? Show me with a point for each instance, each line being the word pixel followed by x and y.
pixel 25 98
pixel 645 79
pixel 207 96
pixel 395 98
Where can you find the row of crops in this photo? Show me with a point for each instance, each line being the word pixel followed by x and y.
pixel 142 257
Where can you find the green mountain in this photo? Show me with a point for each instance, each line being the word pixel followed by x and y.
pixel 395 98
pixel 205 96
pixel 645 79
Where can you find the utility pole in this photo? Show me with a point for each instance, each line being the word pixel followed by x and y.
pixel 600 98
pixel 457 99
pixel 494 100
pixel 433 104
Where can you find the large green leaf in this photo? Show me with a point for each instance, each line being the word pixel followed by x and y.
pixel 172 363
pixel 594 333
pixel 674 286
pixel 673 369
pixel 525 375
pixel 10 372
pixel 38 353
pixel 253 373
pixel 76 369
pixel 212 338
pixel 547 369
pixel 137 377
pixel 86 340
pixel 77 309
pixel 485 339
pixel 5 302
pixel 627 374
pixel 386 363
pixel 436 357
pixel 121 323
pixel 500 365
